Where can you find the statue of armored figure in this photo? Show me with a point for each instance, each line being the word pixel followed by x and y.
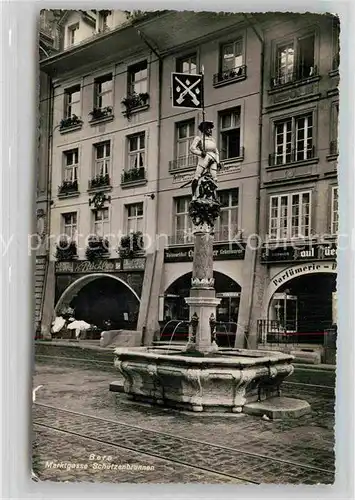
pixel 205 148
pixel 205 207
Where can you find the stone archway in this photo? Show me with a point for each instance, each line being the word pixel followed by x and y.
pixel 226 288
pixel 78 286
pixel 293 272
pixel 298 306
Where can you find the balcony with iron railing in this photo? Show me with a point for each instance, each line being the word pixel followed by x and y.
pixel 227 234
pixel 302 74
pixel 101 181
pixel 230 76
pixel 292 156
pixel 223 234
pixel 183 237
pixel 68 188
pixel 183 163
pixel 276 334
pixel 133 177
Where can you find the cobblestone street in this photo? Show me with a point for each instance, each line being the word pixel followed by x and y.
pixel 78 421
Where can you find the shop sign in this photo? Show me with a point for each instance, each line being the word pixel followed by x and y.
pixel 86 266
pixel 224 251
pixel 183 177
pixel 133 264
pixel 287 95
pixel 298 253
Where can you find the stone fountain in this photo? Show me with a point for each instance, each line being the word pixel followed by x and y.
pixel 202 377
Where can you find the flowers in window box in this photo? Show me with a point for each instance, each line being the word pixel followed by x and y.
pixel 66 249
pixel 131 244
pixel 68 187
pixel 98 248
pixel 98 113
pixel 134 100
pixel 99 181
pixel 71 121
pixel 133 174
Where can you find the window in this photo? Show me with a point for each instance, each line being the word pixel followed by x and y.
pixel 335 44
pixel 290 216
pixel 285 63
pixel 232 55
pixel 182 221
pixel 101 222
pixel 70 224
pixel 187 64
pixel 294 140
pixel 295 60
pixel 227 223
pixel 136 151
pixel 185 133
pixel 138 78
pixel 334 150
pixel 102 158
pixel 104 16
pixel 72 102
pixel 103 91
pixel 335 213
pixel 134 218
pixel 71 163
pixel 230 134
pixel 72 34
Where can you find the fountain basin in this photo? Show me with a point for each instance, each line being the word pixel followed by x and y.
pixel 226 381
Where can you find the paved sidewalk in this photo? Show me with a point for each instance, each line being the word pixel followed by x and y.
pixel 308 440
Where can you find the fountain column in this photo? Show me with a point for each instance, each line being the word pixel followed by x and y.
pixel 202 301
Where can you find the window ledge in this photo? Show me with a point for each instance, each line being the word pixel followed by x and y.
pixel 74 257
pixel 72 194
pixel 291 241
pixel 98 121
pixel 311 161
pixel 181 170
pixel 330 237
pixel 331 173
pixel 130 184
pixel 132 111
pixel 231 162
pixel 229 81
pixel 99 189
pixel 334 72
pixel 332 157
pixel 182 244
pixel 292 85
pixel 72 128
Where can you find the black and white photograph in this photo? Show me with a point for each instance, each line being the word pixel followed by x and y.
pixel 186 313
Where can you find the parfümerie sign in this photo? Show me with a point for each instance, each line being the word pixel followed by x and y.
pixel 302 269
pixel 233 251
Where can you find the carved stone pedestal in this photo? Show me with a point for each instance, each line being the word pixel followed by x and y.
pixel 203 304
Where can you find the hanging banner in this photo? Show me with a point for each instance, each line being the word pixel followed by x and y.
pixel 187 90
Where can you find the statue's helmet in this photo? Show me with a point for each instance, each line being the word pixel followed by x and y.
pixel 205 126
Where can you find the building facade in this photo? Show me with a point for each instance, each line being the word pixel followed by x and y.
pixel 121 162
pixel 295 281
pixel 48 44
